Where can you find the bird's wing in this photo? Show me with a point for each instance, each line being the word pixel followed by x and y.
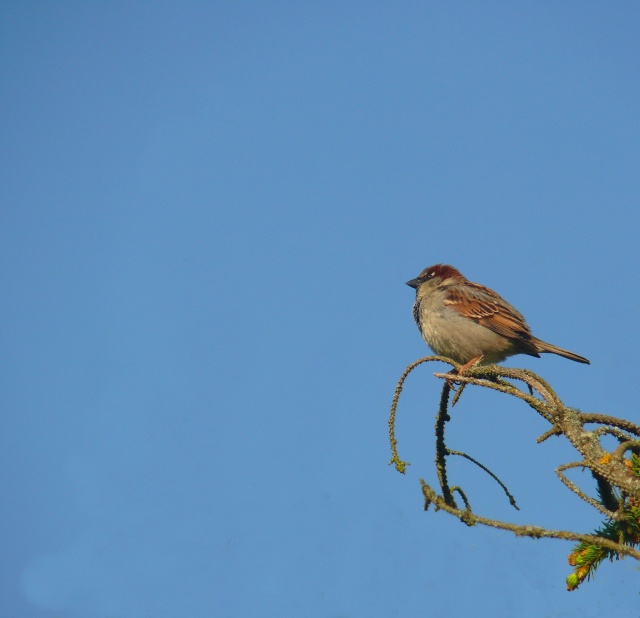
pixel 490 310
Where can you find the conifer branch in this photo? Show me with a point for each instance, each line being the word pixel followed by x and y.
pixel 617 473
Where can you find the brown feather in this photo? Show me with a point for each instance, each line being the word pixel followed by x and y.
pixel 490 310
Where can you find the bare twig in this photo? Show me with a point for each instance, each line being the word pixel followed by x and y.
pixel 401 466
pixel 576 490
pixel 512 500
pixel 441 449
pixel 534 532
pixel 605 419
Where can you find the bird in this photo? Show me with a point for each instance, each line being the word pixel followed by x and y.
pixel 470 323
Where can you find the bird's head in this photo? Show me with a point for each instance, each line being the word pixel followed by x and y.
pixel 437 273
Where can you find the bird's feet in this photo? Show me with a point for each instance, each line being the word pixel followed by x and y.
pixel 458 372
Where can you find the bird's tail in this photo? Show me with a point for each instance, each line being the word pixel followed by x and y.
pixel 543 346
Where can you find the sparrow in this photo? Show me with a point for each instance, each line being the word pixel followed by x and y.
pixel 469 323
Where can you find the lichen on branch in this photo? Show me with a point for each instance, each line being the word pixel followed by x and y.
pixel 617 472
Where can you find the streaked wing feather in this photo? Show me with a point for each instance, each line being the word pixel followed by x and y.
pixel 490 310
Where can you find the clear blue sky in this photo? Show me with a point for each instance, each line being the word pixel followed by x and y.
pixel 209 211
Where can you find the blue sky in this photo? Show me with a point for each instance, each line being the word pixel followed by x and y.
pixel 209 211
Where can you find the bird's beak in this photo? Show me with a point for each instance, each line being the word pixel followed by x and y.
pixel 414 283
